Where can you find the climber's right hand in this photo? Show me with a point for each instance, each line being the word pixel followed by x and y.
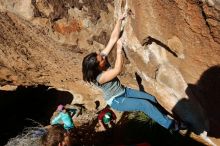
pixel 123 16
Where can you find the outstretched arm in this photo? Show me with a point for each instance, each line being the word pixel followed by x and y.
pixel 114 36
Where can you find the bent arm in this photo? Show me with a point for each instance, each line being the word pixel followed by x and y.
pixel 112 73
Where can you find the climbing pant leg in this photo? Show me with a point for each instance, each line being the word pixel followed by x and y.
pixel 122 103
pixel 132 93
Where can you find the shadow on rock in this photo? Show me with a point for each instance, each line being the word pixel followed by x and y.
pixel 207 92
pixel 191 112
pixel 34 102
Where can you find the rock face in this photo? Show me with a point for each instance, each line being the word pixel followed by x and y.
pixel 172 45
pixel 176 40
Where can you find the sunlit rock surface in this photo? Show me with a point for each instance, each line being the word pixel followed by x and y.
pixel 173 46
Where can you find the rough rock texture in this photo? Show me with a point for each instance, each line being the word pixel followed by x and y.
pixel 48 49
pixel 178 41
pixel 172 45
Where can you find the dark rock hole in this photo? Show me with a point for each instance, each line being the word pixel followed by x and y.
pixel 19 108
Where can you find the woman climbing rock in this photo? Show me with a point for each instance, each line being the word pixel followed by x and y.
pixel 97 70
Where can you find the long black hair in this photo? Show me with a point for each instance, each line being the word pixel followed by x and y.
pixel 90 67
